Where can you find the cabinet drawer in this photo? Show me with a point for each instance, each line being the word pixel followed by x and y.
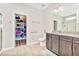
pixel 67 38
pixel 76 40
pixel 54 36
pixel 48 35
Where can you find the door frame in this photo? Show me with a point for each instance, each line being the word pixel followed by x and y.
pixel 14 26
pixel 1 31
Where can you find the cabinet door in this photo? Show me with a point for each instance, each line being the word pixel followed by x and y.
pixel 65 48
pixel 76 49
pixel 55 44
pixel 48 41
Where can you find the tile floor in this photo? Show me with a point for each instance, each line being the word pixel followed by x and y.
pixel 32 50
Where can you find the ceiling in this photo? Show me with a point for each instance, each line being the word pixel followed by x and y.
pixel 68 9
pixel 40 6
pixel 43 6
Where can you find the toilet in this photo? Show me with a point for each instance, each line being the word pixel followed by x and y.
pixel 43 40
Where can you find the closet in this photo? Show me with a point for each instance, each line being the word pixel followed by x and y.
pixel 20 29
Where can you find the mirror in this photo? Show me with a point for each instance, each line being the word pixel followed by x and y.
pixel 69 23
pixel 67 18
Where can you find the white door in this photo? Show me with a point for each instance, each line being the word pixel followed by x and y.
pixel 0 38
pixel 0 31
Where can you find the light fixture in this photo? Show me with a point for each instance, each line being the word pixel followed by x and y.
pixel 55 10
pixel 70 18
pixel 58 9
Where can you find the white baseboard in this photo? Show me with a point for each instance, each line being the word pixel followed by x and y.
pixel 14 47
pixel 6 49
pixel 33 43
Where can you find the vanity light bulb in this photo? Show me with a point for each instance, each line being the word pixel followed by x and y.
pixel 60 8
pixel 71 18
pixel 55 10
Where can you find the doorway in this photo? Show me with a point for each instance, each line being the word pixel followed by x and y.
pixel 55 25
pixel 20 29
pixel 0 31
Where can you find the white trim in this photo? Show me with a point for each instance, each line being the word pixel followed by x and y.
pixel 18 46
pixel 6 49
pixel 22 13
pixel 33 43
pixel 2 32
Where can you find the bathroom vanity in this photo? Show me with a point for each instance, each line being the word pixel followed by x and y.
pixel 63 44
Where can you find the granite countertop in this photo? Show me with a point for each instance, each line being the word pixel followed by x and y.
pixel 66 34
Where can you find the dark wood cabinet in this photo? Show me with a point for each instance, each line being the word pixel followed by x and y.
pixel 65 46
pixel 55 43
pixel 62 45
pixel 75 46
pixel 75 49
pixel 48 41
